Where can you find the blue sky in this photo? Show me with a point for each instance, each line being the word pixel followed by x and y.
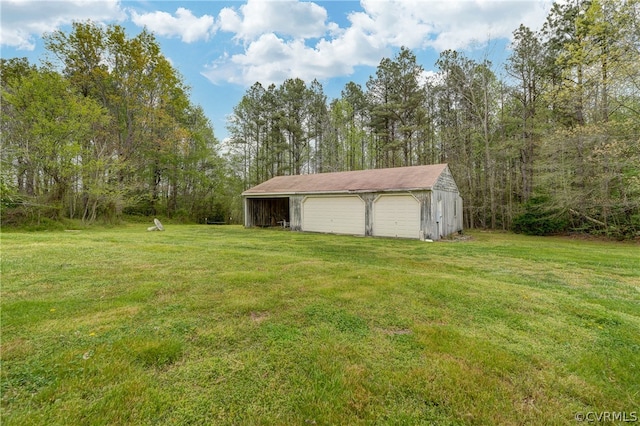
pixel 222 47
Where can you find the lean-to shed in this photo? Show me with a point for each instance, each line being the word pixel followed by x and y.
pixel 419 202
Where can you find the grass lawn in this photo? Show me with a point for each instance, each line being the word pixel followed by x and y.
pixel 226 325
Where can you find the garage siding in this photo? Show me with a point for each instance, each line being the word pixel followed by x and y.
pixel 396 216
pixel 337 215
pixel 445 211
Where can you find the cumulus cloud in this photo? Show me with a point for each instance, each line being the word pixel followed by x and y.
pixel 283 39
pixel 184 24
pixel 21 20
pixel 289 18
pixel 271 59
pixel 447 24
pixel 278 46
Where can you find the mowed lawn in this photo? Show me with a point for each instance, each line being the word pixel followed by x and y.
pixel 226 325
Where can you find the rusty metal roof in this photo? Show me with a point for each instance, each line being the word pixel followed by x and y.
pixel 397 178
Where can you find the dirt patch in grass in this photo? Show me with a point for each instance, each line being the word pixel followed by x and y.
pixel 259 317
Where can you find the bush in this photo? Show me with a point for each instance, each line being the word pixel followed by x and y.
pixel 9 197
pixel 540 217
pixel 32 216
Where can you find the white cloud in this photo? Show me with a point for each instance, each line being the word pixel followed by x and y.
pixel 392 22
pixel 22 20
pixel 285 39
pixel 184 25
pixel 279 48
pixel 449 24
pixel 271 59
pixel 286 18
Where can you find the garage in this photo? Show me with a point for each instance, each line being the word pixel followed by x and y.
pixel 417 202
pixel 337 215
pixel 396 216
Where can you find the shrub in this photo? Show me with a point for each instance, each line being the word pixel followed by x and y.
pixel 540 217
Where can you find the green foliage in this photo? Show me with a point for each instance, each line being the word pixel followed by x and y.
pixel 108 125
pixel 273 130
pixel 9 195
pixel 397 109
pixel 540 218
pixel 30 214
pixel 41 224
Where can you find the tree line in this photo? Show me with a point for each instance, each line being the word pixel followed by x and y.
pixel 103 129
pixel 547 142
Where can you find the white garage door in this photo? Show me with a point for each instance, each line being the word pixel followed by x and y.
pixel 337 215
pixel 396 216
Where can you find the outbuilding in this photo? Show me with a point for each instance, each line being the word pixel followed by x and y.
pixel 421 202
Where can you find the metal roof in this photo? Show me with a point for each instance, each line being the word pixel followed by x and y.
pixel 392 179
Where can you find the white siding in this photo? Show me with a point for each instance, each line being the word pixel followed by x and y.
pixel 396 216
pixel 337 215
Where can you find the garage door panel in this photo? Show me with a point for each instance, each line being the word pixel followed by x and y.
pixel 338 215
pixel 396 216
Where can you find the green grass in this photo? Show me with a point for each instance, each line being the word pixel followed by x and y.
pixel 224 325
